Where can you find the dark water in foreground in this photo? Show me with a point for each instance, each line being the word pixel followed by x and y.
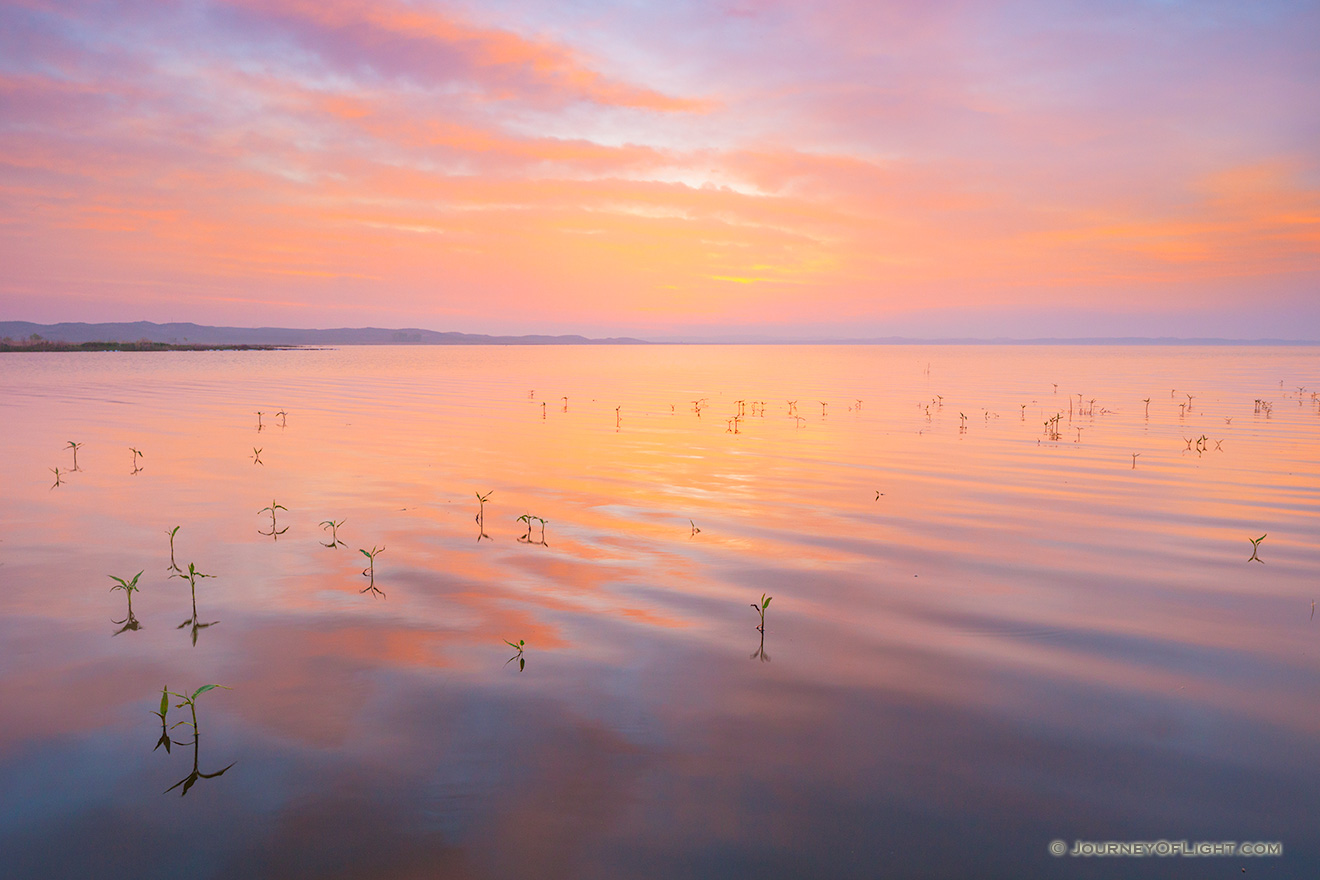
pixel 1021 639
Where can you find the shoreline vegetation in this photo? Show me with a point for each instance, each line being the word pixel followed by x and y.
pixel 140 345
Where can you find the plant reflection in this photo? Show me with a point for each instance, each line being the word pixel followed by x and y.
pixel 759 653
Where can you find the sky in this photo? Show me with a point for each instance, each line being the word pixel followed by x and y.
pixel 676 169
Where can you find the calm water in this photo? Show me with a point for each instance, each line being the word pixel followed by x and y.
pixel 981 639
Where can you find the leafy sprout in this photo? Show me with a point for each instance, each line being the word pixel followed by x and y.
pixel 760 609
pixel 518 646
pixel 1255 546
pixel 129 587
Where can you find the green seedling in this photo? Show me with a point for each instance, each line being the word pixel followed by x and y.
pixel 192 577
pixel 695 531
pixel 256 457
pixel 518 656
pixel 792 407
pixel 129 587
pixel 191 702
pixel 962 422
pixel 1134 460
pixel 823 406
pixel 1146 400
pixel 283 417
pixel 56 472
pixel 618 416
pixel 760 609
pixel 259 425
pixel 174 566
pixel 370 571
pixel 274 531
pixel 1255 546
pixel 74 447
pixel 137 453
pixel 334 534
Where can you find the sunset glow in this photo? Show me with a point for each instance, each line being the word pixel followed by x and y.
pixel 750 168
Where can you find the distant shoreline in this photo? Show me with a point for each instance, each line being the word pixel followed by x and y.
pixel 26 336
pixel 47 345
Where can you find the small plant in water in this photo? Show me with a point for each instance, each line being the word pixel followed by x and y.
pixel 518 646
pixel 760 609
pixel 174 566
pixel 334 534
pixel 370 571
pixel 129 587
pixel 191 702
pixel 74 447
pixel 256 457
pixel 192 577
pixel 274 532
pixel 56 472
pixel 695 531
pixel 527 538
pixel 1255 546
pixel 137 453
pixel 481 515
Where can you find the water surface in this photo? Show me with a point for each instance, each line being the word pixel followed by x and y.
pixel 983 636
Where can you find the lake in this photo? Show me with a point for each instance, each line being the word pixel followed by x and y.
pixel 1012 601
